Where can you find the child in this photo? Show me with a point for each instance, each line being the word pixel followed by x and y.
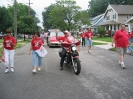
pixel 130 49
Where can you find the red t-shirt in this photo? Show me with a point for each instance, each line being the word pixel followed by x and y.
pixel 8 40
pixel 82 35
pixel 66 41
pixel 88 34
pixel 121 38
pixel 36 43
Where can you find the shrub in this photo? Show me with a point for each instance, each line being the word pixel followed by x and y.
pixel 101 31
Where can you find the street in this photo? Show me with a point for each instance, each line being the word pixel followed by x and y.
pixel 101 77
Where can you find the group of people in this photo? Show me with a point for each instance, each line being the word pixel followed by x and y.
pixel 121 39
pixel 86 39
pixel 8 47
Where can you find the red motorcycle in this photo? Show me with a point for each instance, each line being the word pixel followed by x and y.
pixel 72 56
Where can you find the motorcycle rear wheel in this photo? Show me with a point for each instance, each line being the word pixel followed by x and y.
pixel 77 66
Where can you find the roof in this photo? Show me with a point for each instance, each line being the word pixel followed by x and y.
pixel 122 9
pixel 97 16
pixel 110 22
pixel 130 20
pixel 98 21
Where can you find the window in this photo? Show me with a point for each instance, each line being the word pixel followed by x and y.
pixel 127 16
pixel 126 26
pixel 110 10
pixel 114 16
pixel 107 18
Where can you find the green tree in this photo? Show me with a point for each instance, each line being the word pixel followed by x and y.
pixel 6 20
pixel 65 15
pixel 46 17
pixel 25 24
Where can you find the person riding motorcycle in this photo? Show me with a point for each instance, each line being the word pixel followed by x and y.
pixel 66 40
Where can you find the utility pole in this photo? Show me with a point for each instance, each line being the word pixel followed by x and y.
pixel 15 19
pixel 29 8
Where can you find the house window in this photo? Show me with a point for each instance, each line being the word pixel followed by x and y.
pixel 126 26
pixel 107 18
pixel 114 16
pixel 127 16
pixel 110 10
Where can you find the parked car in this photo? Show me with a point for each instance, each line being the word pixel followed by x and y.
pixel 1 36
pixel 51 38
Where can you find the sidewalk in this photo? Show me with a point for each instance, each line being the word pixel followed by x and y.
pixel 105 46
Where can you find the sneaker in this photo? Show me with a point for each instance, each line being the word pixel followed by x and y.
pixel 39 68
pixel 12 70
pixel 34 70
pixel 123 66
pixel 89 52
pixel 6 71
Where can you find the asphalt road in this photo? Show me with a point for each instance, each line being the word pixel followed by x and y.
pixel 101 77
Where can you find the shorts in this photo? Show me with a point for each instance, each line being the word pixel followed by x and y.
pixel 131 40
pixel 121 50
pixel 89 42
pixel 130 48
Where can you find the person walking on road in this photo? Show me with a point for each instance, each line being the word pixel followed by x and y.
pixel 43 36
pixel 83 38
pixel 89 36
pixel 121 40
pixel 8 50
pixel 36 43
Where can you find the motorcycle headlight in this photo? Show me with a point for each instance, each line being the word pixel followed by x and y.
pixel 74 48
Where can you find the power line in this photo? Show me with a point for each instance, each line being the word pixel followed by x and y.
pixel 10 1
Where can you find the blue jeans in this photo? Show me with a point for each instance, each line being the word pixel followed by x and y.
pixel 63 57
pixel 35 56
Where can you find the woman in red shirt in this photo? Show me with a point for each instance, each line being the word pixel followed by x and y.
pixel 8 50
pixel 36 43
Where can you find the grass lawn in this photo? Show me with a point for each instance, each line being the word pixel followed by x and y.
pixel 97 43
pixel 112 49
pixel 107 39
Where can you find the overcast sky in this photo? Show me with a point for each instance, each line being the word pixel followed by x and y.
pixel 38 5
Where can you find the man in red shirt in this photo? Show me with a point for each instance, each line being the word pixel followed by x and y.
pixel 8 50
pixel 121 40
pixel 89 36
pixel 66 40
pixel 83 38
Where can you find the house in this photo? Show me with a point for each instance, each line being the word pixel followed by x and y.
pixel 116 15
pixel 130 22
pixel 95 22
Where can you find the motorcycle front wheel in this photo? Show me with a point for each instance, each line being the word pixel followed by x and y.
pixel 77 66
